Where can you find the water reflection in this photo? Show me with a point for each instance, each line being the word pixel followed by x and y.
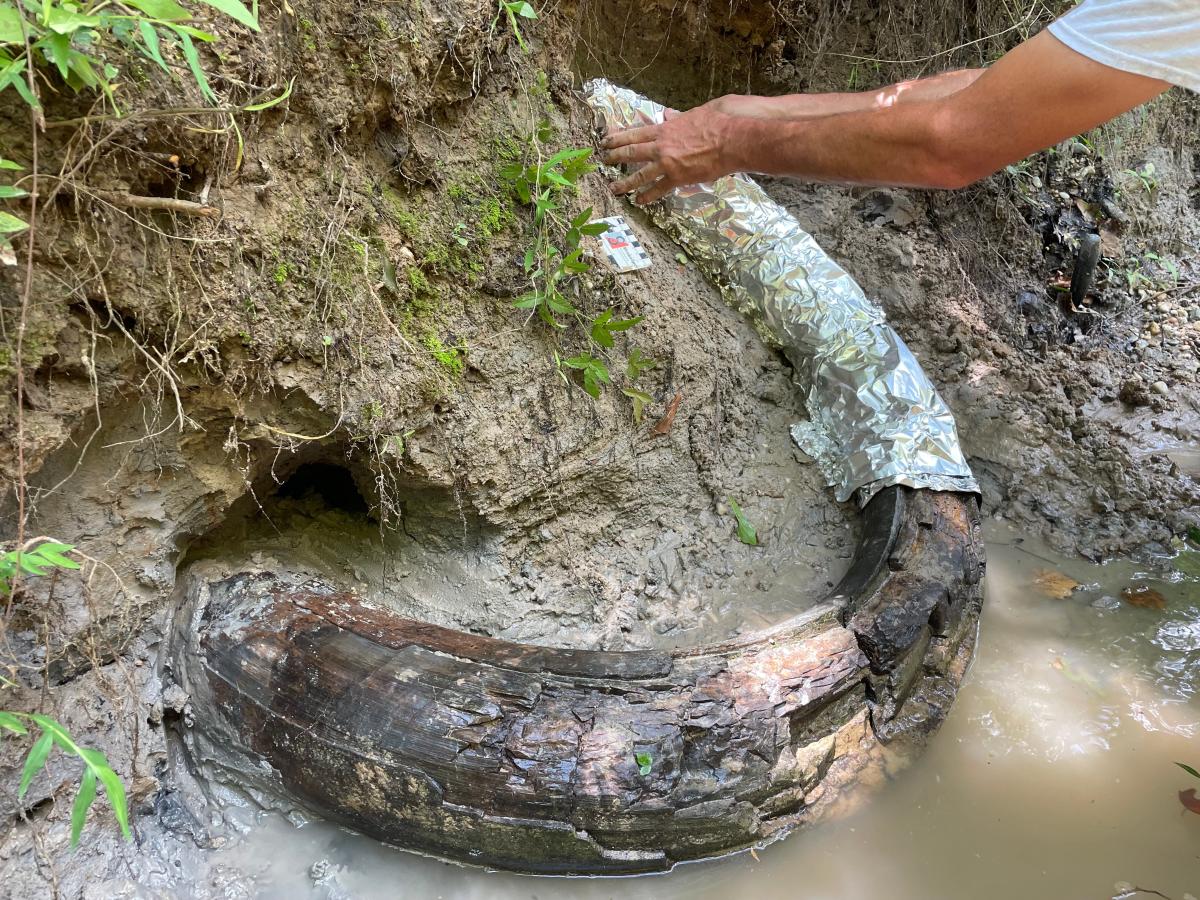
pixel 1052 778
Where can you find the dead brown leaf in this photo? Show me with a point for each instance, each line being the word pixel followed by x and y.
pixel 754 852
pixel 1054 585
pixel 1146 597
pixel 1190 801
pixel 1110 244
pixel 663 425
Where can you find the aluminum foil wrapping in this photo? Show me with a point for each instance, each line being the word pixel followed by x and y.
pixel 875 419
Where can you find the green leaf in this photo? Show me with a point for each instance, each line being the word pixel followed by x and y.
pixel 114 789
pixel 563 156
pixel 53 555
pixel 640 400
pixel 11 723
pixel 582 219
pixel 34 761
pixel 603 328
pixel 83 802
pixel 10 166
pixel 30 565
pixel 59 46
pixel 166 10
pixel 10 25
pixel 193 32
pixel 56 732
pixel 746 532
pixel 8 192
pixel 150 39
pixel 1188 769
pixel 64 21
pixel 559 304
pixel 235 10
pixel 521 9
pixel 22 88
pixel 636 364
pixel 595 229
pixel 275 101
pixel 1193 531
pixel 193 61
pixel 529 301
pixel 644 761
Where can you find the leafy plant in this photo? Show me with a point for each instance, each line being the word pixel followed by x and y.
pixel 604 326
pixel 77 39
pixel 10 224
pixel 645 762
pixel 595 372
pixel 95 768
pixel 48 555
pixel 1144 174
pixel 746 533
pixel 637 363
pixel 512 10
pixel 555 259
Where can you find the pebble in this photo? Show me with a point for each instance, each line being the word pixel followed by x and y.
pixel 1161 388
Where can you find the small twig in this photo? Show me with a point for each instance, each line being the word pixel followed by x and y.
pixel 136 201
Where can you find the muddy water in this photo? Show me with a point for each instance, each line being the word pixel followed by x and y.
pixel 1052 778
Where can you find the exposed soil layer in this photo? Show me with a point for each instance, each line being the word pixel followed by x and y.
pixel 352 307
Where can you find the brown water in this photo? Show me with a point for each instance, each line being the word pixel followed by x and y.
pixel 1054 777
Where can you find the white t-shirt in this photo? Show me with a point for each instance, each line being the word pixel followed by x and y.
pixel 1157 38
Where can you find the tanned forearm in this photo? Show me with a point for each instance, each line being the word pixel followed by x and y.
pixel 814 106
pixel 1037 95
pixel 895 146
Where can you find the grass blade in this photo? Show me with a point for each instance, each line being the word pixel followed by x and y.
pixel 235 10
pixel 150 39
pixel 275 101
pixel 83 802
pixel 114 789
pixel 34 762
pixel 193 61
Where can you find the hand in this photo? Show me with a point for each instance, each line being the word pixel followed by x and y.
pixel 687 148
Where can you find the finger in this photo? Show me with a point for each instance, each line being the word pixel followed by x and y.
pixel 669 114
pixel 632 153
pixel 644 176
pixel 631 136
pixel 656 191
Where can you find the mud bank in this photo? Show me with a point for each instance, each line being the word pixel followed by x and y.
pixel 330 375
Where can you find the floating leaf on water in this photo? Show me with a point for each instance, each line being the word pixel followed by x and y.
pixel 1146 597
pixel 1054 585
pixel 1190 801
pixel 754 853
pixel 1188 769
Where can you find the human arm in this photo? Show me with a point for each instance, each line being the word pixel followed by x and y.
pixel 814 106
pixel 1039 94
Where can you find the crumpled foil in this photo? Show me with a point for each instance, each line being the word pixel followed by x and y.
pixel 875 419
